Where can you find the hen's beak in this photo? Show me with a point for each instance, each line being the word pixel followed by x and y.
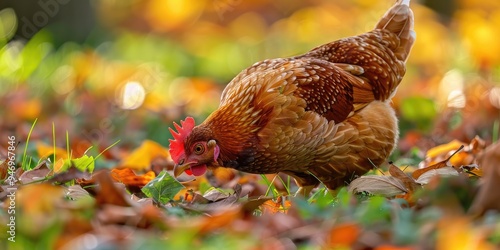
pixel 179 169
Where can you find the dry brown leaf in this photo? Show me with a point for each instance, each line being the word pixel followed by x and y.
pixel 76 192
pixel 215 202
pixel 3 169
pixel 409 182
pixel 425 178
pixel 378 185
pixel 107 192
pixel 38 173
pixel 71 174
pixel 488 198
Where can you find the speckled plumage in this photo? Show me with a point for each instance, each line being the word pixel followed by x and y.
pixel 322 115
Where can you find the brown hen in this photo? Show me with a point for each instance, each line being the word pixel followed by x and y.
pixel 324 116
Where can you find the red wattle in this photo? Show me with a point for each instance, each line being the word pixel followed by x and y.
pixel 198 170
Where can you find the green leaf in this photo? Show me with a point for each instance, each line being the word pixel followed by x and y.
pixel 85 163
pixel 163 188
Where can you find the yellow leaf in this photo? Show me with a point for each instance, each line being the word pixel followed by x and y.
pixel 444 149
pixel 142 156
pixel 45 150
pixel 457 233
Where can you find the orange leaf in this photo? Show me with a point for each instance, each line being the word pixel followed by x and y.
pixel 344 235
pixel 273 207
pixel 142 157
pixel 222 219
pixel 129 178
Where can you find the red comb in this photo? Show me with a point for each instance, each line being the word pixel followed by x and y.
pixel 177 144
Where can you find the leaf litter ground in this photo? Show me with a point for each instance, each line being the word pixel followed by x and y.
pixel 137 204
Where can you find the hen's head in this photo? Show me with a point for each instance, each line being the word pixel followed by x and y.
pixel 192 149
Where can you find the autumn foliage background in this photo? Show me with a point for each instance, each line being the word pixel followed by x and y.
pixel 100 82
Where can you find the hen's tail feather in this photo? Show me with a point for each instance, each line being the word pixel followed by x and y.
pixel 399 20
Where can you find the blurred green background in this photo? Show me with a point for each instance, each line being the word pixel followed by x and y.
pixel 108 69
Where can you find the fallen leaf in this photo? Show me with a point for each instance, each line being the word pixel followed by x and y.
pixel 221 218
pixel 250 205
pixel 128 177
pixel 426 177
pixel 343 235
pixel 215 194
pixel 488 198
pixel 45 151
pixel 71 174
pixel 444 149
pixel 40 172
pixel 469 154
pixel 278 206
pixel 409 182
pixel 163 188
pixel 3 169
pixel 222 201
pixel 142 157
pixel 107 192
pixel 378 185
pixel 445 163
pixel 85 163
pixel 76 192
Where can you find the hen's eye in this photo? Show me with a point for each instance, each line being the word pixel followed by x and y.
pixel 198 149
